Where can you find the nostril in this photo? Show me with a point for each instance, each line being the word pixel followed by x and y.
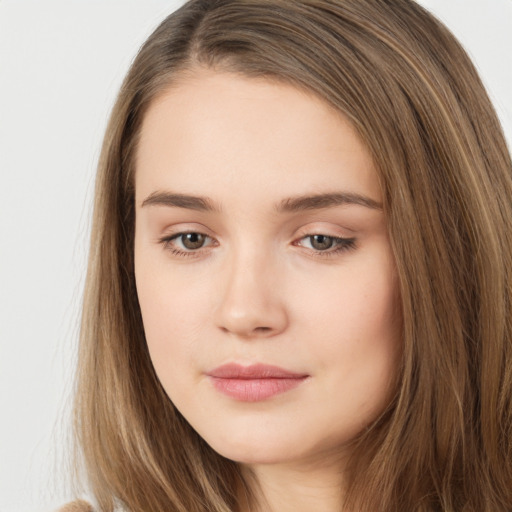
pixel 263 329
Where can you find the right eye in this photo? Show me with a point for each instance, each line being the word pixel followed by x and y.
pixel 184 244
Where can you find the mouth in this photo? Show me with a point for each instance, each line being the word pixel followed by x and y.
pixel 254 383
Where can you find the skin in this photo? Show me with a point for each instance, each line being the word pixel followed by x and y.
pixel 260 290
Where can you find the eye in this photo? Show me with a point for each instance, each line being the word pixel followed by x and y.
pixel 192 241
pixel 325 245
pixel 186 244
pixel 321 242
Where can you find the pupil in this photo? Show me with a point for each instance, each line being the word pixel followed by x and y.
pixel 321 242
pixel 193 240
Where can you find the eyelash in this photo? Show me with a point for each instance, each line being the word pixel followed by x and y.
pixel 341 245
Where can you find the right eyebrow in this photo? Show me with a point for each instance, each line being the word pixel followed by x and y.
pixel 199 203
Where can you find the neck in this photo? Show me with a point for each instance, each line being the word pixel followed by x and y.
pixel 294 488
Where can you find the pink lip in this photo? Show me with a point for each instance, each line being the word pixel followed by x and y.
pixel 255 382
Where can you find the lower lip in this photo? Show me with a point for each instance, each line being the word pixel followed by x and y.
pixel 255 390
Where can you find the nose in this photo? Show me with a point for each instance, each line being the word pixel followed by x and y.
pixel 251 303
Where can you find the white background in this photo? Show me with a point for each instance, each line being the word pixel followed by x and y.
pixel 61 64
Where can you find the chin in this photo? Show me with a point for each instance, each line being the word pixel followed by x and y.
pixel 246 449
pixel 263 448
pixel 248 455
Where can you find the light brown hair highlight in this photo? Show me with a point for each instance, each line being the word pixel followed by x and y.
pixel 408 87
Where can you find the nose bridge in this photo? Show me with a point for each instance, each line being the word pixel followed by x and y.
pixel 251 304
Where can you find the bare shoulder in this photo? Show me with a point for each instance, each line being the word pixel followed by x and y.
pixel 76 506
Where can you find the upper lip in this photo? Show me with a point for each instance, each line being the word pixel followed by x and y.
pixel 253 371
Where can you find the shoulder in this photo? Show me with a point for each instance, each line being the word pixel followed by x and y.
pixel 76 506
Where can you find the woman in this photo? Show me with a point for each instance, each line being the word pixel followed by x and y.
pixel 299 288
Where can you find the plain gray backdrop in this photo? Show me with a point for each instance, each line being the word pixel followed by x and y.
pixel 61 64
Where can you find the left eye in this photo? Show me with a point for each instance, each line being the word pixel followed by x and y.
pixel 323 243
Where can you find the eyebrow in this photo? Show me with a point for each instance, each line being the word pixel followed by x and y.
pixel 319 201
pixel 288 205
pixel 203 204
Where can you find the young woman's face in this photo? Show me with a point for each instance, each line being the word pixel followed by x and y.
pixel 264 270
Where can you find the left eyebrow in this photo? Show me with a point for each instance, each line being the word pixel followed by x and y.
pixel 319 201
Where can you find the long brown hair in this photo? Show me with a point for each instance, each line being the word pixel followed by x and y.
pixel 417 102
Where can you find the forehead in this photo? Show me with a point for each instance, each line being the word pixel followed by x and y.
pixel 215 132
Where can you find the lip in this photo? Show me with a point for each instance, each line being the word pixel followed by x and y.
pixel 255 382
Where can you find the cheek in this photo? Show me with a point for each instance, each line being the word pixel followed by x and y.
pixel 169 308
pixel 174 315
pixel 358 305
pixel 355 333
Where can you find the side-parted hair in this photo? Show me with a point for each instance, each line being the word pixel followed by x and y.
pixel 410 90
